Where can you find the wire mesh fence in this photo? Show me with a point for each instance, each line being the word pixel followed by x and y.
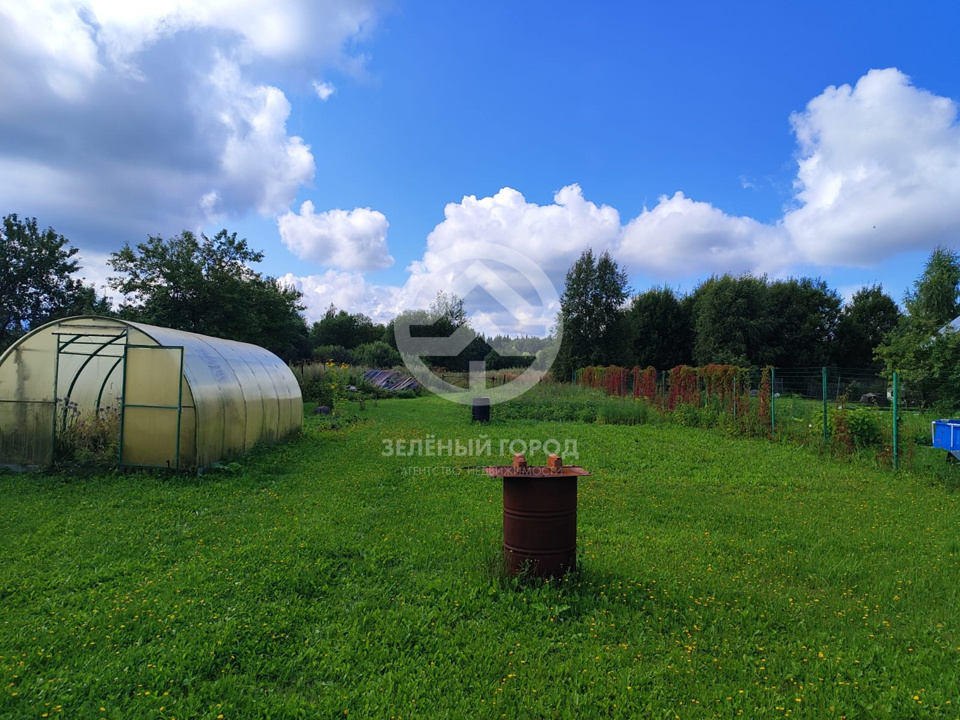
pixel 843 410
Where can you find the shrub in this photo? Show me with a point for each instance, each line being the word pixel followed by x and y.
pixel 495 361
pixel 851 427
pixel 686 415
pixel 323 384
pixel 623 412
pixel 865 427
pixel 945 408
pixel 377 355
pixel 336 354
pixel 318 391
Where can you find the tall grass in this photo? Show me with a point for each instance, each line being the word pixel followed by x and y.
pixel 616 411
pixel 87 438
pixel 552 402
pixel 865 432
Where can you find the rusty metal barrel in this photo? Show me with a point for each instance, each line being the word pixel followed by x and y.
pixel 539 516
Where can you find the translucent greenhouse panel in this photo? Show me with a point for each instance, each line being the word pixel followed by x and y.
pixel 26 434
pixel 240 394
pixel 271 415
pixel 150 437
pixel 188 436
pixel 271 401
pixel 91 380
pixel 234 411
pixel 28 369
pixel 152 376
pixel 289 402
pixel 246 368
pixel 204 374
pixel 150 430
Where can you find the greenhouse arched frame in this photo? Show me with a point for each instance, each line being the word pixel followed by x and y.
pixel 181 400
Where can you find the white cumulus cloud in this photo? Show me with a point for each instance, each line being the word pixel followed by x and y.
pixel 349 240
pixel 514 289
pixel 346 291
pixel 262 166
pixel 280 30
pixel 120 120
pixel 552 235
pixel 682 236
pixel 878 171
pixel 323 89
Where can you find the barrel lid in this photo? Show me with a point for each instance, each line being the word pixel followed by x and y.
pixel 553 468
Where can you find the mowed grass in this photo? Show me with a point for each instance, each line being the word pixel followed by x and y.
pixel 718 577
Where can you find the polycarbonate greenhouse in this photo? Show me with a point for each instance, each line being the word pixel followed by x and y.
pixel 180 400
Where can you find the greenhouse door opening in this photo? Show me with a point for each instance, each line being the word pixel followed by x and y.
pixel 87 379
pixel 151 406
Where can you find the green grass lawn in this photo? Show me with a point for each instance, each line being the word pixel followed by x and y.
pixel 718 577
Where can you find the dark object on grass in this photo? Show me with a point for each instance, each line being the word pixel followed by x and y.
pixel 874 399
pixel 481 409
pixel 539 516
pixel 321 410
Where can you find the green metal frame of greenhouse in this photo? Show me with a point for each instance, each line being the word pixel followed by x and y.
pixel 183 399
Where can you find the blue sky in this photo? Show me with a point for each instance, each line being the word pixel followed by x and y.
pixel 686 138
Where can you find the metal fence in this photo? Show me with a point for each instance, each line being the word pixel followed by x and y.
pixel 842 409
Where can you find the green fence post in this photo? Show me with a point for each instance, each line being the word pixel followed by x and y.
pixel 826 430
pixel 896 412
pixel 773 403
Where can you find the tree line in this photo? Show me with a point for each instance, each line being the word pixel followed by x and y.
pixel 207 285
pixel 746 320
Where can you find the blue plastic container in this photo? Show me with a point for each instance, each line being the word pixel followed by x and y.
pixel 946 436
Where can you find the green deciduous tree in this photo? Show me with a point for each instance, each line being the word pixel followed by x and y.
pixel 448 308
pixel 801 320
pixel 748 320
pixel 35 279
pixel 659 332
pixel 864 323
pixel 445 317
pixel 934 298
pixel 591 314
pixel 730 321
pixel 206 285
pixel 344 329
pixel 377 355
pixel 923 347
